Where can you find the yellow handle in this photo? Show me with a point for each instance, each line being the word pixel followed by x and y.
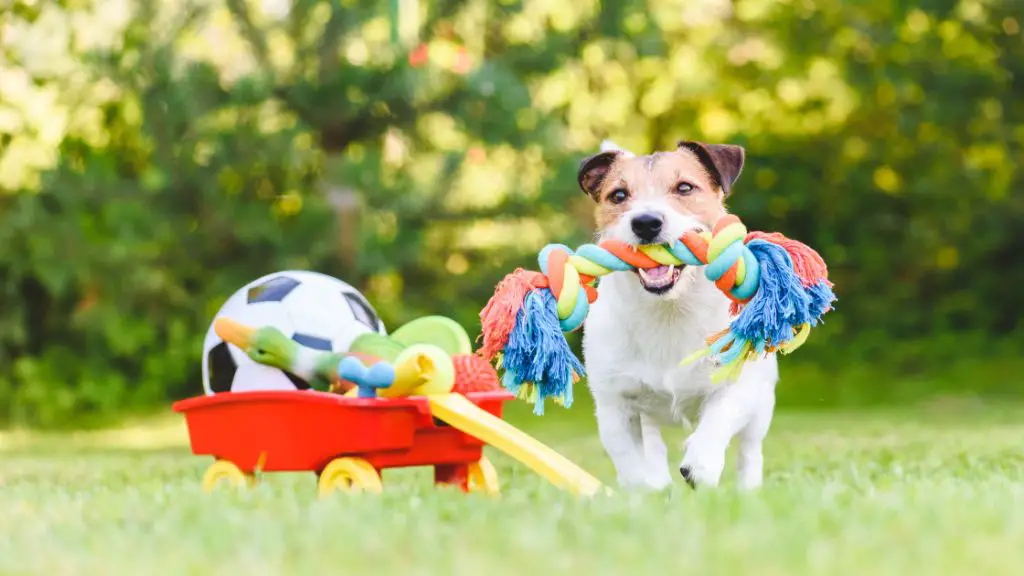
pixel 425 370
pixel 460 413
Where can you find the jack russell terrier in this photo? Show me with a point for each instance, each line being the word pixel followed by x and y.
pixel 643 323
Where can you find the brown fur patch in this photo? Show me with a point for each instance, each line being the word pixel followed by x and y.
pixel 656 175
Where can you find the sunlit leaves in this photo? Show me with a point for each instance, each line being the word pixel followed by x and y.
pixel 199 144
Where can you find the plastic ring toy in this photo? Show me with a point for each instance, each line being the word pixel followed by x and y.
pixel 349 475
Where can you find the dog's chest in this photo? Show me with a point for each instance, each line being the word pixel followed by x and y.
pixel 635 350
pixel 661 388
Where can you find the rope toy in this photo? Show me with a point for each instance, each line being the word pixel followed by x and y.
pixel 779 290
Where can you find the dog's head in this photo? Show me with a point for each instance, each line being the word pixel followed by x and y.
pixel 656 198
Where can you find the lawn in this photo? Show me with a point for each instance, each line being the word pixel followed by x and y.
pixel 932 490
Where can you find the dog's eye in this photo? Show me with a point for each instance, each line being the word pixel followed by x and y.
pixel 684 188
pixel 618 196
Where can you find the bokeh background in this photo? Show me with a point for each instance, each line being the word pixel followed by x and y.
pixel 155 155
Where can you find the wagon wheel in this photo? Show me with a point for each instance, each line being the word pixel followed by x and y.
pixel 349 475
pixel 225 471
pixel 482 477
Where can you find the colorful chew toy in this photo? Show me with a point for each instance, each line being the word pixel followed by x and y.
pixel 779 290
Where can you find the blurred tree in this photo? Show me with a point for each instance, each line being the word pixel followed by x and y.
pixel 155 155
pixel 206 144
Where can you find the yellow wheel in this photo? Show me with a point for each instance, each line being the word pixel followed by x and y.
pixel 349 475
pixel 483 477
pixel 226 472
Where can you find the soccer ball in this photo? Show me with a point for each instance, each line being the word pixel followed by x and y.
pixel 313 309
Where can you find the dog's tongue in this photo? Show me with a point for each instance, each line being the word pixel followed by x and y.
pixel 658 277
pixel 657 273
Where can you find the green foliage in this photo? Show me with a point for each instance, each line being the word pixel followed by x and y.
pixel 151 163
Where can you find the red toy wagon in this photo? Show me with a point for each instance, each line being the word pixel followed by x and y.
pixel 426 407
pixel 347 441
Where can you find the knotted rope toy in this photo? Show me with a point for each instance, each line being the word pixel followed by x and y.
pixel 779 290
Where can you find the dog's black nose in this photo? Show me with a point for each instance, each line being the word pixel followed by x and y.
pixel 646 226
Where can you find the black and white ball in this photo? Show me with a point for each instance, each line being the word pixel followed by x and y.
pixel 313 309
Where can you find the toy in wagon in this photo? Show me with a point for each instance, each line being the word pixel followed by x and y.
pixel 300 375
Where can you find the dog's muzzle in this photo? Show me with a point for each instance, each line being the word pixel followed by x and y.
pixel 647 227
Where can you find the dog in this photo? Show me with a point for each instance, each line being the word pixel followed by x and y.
pixel 644 322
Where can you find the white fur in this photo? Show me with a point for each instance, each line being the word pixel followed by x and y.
pixel 673 226
pixel 633 342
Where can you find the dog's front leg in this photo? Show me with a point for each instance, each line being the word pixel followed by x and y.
pixel 724 413
pixel 618 426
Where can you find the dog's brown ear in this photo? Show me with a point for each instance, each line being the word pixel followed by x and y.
pixel 723 161
pixel 593 169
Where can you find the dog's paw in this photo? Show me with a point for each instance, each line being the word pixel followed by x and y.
pixel 659 482
pixel 700 473
pixel 687 474
pixel 749 479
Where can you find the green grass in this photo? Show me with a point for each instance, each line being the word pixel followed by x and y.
pixel 932 490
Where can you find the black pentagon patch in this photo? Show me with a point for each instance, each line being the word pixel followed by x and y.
pixel 361 310
pixel 298 382
pixel 220 368
pixel 273 290
pixel 313 342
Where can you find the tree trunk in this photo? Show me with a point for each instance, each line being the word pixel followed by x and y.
pixel 347 209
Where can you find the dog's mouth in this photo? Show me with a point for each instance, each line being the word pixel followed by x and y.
pixel 659 280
